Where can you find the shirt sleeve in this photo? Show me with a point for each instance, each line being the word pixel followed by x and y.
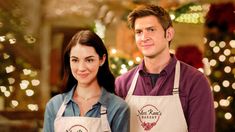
pixel 201 113
pixel 118 89
pixel 49 117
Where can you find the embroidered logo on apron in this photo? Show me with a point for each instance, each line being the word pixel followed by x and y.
pixel 77 128
pixel 148 116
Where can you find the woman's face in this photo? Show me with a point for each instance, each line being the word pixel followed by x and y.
pixel 84 64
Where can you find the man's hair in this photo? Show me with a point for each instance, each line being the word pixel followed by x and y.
pixel 147 10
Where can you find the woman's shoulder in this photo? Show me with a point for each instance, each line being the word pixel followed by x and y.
pixel 115 101
pixel 55 102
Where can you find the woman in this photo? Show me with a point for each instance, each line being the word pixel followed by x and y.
pixel 87 102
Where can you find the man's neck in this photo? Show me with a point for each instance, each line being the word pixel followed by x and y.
pixel 157 64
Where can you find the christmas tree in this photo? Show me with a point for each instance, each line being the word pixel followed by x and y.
pixel 220 57
pixel 19 76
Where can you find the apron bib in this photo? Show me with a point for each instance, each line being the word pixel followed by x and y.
pixel 157 113
pixel 81 124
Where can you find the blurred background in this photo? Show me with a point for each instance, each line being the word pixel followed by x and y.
pixel 33 34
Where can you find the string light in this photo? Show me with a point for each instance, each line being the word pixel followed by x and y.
pixel 228 116
pixel 225 83
pixel 29 92
pixel 222 44
pixel 33 107
pixel 10 69
pixel 227 69
pixel 232 43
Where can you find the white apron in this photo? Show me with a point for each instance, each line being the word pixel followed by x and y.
pixel 81 124
pixel 157 113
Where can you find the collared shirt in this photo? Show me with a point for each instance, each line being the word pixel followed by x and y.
pixel 194 90
pixel 118 113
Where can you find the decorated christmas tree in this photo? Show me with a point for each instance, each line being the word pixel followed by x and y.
pixel 18 70
pixel 220 57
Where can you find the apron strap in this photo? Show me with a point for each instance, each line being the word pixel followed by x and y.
pixel 61 110
pixel 132 87
pixel 177 78
pixel 104 120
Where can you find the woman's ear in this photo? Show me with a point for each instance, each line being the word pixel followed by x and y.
pixel 102 60
pixel 170 32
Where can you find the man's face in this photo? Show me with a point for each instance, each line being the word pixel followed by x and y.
pixel 151 39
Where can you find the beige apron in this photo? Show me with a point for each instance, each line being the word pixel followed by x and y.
pixel 157 113
pixel 81 124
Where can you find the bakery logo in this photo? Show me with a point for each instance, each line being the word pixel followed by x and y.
pixel 77 128
pixel 148 116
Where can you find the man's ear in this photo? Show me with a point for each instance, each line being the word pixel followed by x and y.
pixel 170 32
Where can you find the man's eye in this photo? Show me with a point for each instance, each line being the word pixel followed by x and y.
pixel 151 29
pixel 137 32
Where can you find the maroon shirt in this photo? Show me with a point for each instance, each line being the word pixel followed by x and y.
pixel 194 90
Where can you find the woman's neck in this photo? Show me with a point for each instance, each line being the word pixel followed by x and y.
pixel 88 91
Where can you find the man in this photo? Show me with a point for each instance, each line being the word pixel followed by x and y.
pixel 164 94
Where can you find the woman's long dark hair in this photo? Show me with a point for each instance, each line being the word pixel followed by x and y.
pixel 104 76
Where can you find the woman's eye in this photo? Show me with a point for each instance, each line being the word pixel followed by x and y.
pixel 89 60
pixel 74 60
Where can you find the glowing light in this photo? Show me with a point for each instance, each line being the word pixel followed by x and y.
pixel 213 62
pixel 10 69
pixel 15 103
pixel 216 49
pixel 113 66
pixel 3 88
pixel 172 16
pixel 5 56
pixel 222 44
pixel 27 71
pixel 233 85
pixel 35 82
pixel 12 41
pixel 231 59
pixel 33 107
pixel 216 88
pixel 225 83
pixel 30 39
pixel 227 69
pixel 11 80
pixel 2 38
pixel 222 58
pixel 24 84
pixel 227 52
pixel 227 115
pixel 7 93
pixel 113 51
pixel 138 59
pixel 232 43
pixel 29 92
pixel 224 102
pixel 130 63
pixel 212 43
pixel 123 66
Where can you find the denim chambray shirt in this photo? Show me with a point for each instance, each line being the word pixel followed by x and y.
pixel 118 113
